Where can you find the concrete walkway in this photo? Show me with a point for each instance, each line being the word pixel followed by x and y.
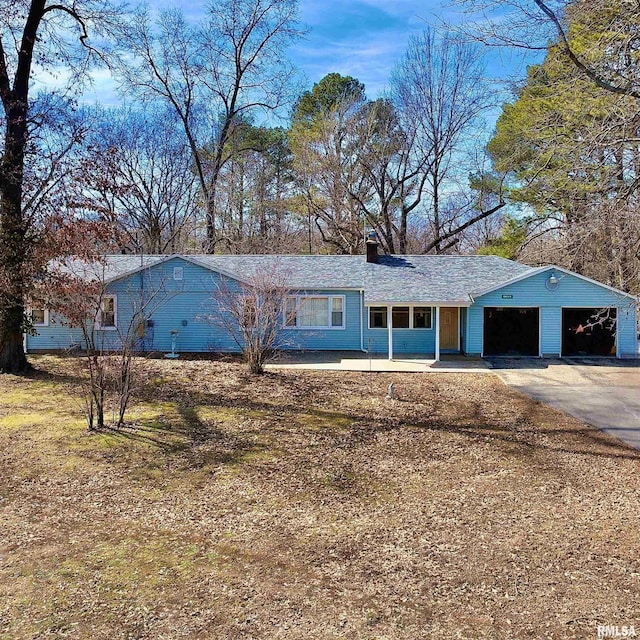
pixel 603 393
pixel 355 361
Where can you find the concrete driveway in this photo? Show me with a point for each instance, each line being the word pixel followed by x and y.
pixel 603 393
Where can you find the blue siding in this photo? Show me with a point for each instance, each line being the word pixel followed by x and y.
pixel 419 341
pixel 186 306
pixel 189 306
pixel 463 329
pixel 347 339
pixel 474 329
pixel 55 337
pixel 572 292
pixel 551 332
pixel 627 331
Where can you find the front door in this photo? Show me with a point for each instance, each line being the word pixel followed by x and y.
pixel 449 329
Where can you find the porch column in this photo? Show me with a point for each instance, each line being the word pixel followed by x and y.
pixel 390 330
pixel 437 327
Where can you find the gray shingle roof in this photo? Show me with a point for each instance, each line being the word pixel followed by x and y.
pixel 394 279
pixel 111 268
pixel 300 272
pixel 436 278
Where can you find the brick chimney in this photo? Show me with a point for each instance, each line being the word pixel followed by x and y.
pixel 372 247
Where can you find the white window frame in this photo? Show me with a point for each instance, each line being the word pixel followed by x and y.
pixel 411 317
pixel 329 298
pixel 178 273
pixel 375 306
pixel 46 316
pixel 115 313
pixel 410 327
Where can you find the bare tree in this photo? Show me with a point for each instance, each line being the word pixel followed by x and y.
pixel 531 24
pixel 35 36
pixel 439 87
pixel 394 169
pixel 78 294
pixel 214 75
pixel 371 163
pixel 254 313
pixel 136 170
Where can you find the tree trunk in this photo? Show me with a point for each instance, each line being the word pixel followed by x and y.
pixel 12 244
pixel 13 248
pixel 435 172
pixel 12 357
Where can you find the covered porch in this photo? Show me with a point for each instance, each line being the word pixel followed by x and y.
pixel 418 331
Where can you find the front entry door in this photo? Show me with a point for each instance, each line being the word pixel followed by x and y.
pixel 449 329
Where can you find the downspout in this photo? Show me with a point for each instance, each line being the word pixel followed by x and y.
pixel 390 329
pixel 141 313
pixel 466 325
pixel 143 341
pixel 466 333
pixel 361 295
pixel 437 336
pixel 618 323
pixel 634 321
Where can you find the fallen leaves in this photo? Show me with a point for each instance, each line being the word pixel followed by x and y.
pixel 302 505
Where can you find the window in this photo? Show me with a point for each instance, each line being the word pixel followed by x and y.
pixel 290 316
pixel 378 317
pixel 39 315
pixel 178 273
pixel 107 313
pixel 402 317
pixel 314 312
pixel 337 312
pixel 422 317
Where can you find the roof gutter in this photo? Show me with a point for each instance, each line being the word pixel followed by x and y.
pixel 419 303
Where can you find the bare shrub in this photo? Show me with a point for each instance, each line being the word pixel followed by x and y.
pixel 81 299
pixel 253 313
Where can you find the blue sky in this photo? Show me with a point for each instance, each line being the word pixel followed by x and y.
pixel 361 38
pixel 365 38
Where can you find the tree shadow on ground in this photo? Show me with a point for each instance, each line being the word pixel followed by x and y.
pixel 587 440
pixel 276 408
pixel 198 442
pixel 46 375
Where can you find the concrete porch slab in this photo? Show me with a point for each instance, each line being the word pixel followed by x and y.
pixel 355 361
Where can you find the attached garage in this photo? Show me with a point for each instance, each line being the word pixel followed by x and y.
pixel 511 331
pixel 589 331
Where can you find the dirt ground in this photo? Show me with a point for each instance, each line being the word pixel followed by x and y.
pixel 302 504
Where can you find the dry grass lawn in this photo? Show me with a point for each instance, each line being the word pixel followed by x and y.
pixel 304 505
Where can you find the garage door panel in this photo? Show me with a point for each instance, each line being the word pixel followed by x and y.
pixel 589 331
pixel 511 331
